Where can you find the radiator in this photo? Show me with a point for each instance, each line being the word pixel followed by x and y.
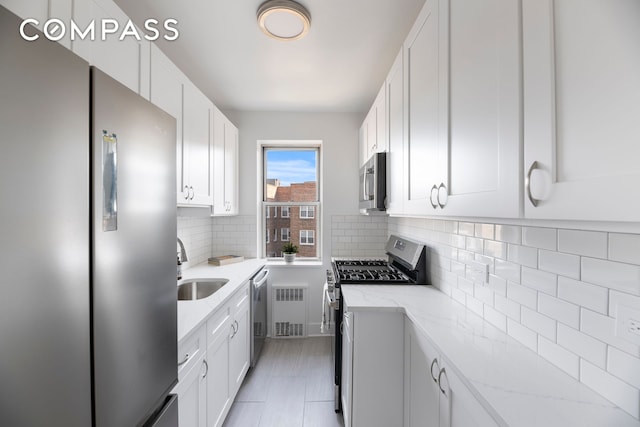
pixel 289 311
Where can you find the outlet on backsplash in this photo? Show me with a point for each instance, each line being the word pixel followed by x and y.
pixel 628 324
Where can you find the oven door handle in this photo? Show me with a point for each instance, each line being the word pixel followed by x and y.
pixel 258 283
pixel 331 300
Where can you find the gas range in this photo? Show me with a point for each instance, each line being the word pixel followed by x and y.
pixel 406 265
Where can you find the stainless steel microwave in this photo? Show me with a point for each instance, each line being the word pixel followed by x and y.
pixel 373 184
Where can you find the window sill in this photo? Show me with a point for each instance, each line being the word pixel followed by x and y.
pixel 296 263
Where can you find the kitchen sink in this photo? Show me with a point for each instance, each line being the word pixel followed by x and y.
pixel 194 289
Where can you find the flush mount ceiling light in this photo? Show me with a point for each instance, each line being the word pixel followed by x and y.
pixel 284 19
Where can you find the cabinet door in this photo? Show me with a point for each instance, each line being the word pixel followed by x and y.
pixel 395 124
pixel 192 399
pixel 425 149
pixel 197 158
pixel 120 59
pixel 581 109
pixel 482 167
pixel 166 93
pixel 380 106
pixel 363 148
pixel 239 345
pixel 225 170
pixel 231 168
pixel 422 406
pixel 219 396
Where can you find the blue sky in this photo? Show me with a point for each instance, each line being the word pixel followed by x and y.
pixel 291 165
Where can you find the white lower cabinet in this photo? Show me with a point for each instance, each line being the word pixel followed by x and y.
pixel 192 380
pixel 372 369
pixel 209 381
pixel 219 397
pixel 240 340
pixel 434 394
pixel 192 395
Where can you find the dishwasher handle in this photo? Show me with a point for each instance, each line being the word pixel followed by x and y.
pixel 257 283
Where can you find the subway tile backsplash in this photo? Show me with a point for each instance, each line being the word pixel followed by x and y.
pixel 554 290
pixel 195 233
pixel 358 235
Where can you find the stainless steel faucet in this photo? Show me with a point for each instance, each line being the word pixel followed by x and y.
pixel 183 252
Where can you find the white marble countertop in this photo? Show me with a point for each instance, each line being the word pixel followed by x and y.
pixel 192 314
pixel 514 384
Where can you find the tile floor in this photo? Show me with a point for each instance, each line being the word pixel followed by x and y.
pixel 291 386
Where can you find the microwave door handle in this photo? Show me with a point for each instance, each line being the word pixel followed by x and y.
pixel 365 196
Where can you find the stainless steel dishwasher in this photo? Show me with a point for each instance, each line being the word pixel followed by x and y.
pixel 258 313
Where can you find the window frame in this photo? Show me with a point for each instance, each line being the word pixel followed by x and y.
pixel 262 149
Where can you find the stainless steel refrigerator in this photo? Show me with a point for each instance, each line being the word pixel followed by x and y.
pixel 87 252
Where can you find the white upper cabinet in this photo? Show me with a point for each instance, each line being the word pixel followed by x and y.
pixel 462 103
pixel 425 110
pixel 125 60
pixel 481 175
pixel 225 179
pixel 373 132
pixel 174 93
pixel 582 109
pixel 197 147
pixel 395 126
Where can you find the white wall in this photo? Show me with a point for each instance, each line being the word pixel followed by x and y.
pixel 339 135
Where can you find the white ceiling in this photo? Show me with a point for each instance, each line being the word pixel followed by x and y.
pixel 338 67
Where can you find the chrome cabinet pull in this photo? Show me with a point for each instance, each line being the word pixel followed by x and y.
pixel 527 184
pixel 441 186
pixel 433 377
pixel 193 193
pixel 186 358
pixel 186 192
pixel 442 371
pixel 206 368
pixel 433 205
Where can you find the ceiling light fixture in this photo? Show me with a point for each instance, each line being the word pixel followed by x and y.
pixel 284 19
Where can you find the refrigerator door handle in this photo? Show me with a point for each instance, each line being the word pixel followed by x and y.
pixel 109 181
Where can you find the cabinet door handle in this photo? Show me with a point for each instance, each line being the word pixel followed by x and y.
pixel 434 205
pixel 233 331
pixel 206 368
pixel 186 358
pixel 193 193
pixel 186 192
pixel 237 326
pixel 527 184
pixel 434 362
pixel 442 372
pixel 441 186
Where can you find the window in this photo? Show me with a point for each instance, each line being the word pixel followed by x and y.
pixel 307 212
pixel 307 237
pixel 291 182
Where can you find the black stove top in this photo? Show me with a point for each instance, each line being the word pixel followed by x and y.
pixel 367 271
pixel 406 264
